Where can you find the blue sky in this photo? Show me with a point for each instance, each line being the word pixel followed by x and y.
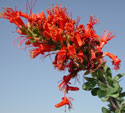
pixel 30 86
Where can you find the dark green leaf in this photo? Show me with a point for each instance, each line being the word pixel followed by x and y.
pixel 123 109
pixel 99 74
pixel 114 89
pixel 101 93
pixel 94 91
pixel 109 72
pixel 102 86
pixel 109 80
pixel 89 85
pixel 117 77
pixel 104 110
pixel 122 94
pixel 89 79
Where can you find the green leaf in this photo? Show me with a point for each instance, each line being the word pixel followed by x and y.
pixel 115 95
pixel 120 89
pixel 123 107
pixel 89 85
pixel 94 91
pixel 120 100
pixel 102 86
pixel 105 99
pixel 101 93
pixel 117 77
pixel 122 94
pixel 104 110
pixel 114 89
pixel 118 111
pixel 110 80
pixel 109 72
pixel 89 79
pixel 99 74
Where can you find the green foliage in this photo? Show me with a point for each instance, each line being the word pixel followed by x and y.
pixel 122 94
pixel 108 72
pixel 101 93
pixel 113 90
pixel 94 91
pixel 117 77
pixel 102 86
pixel 104 110
pixel 123 107
pixel 89 79
pixel 106 87
pixel 89 85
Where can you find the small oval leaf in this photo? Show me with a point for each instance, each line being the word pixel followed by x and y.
pixel 101 93
pixel 104 110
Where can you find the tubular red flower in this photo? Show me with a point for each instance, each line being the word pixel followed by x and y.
pixel 116 61
pixel 65 101
pixel 41 48
pixel 60 58
pixel 90 32
pixel 63 85
pixel 12 16
pixel 71 88
pixel 93 56
pixel 78 38
pixel 71 51
pixel 105 38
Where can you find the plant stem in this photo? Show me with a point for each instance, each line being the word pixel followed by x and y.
pixel 114 104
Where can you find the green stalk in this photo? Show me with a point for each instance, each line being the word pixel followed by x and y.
pixel 114 104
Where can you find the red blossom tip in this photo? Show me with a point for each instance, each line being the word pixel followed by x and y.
pixel 65 101
pixel 116 62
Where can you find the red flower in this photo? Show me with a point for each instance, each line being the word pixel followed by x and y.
pixel 12 16
pixel 71 88
pixel 41 48
pixel 71 51
pixel 89 32
pixel 24 15
pixel 58 15
pixel 63 85
pixel 65 101
pixel 81 56
pixel 105 38
pixel 78 48
pixel 93 56
pixel 115 61
pixel 81 31
pixel 60 58
pixel 79 40
pixel 69 27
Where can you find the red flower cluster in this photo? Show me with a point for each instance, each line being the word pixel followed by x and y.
pixel 79 48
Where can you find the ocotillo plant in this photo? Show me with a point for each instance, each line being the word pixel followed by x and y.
pixel 76 48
